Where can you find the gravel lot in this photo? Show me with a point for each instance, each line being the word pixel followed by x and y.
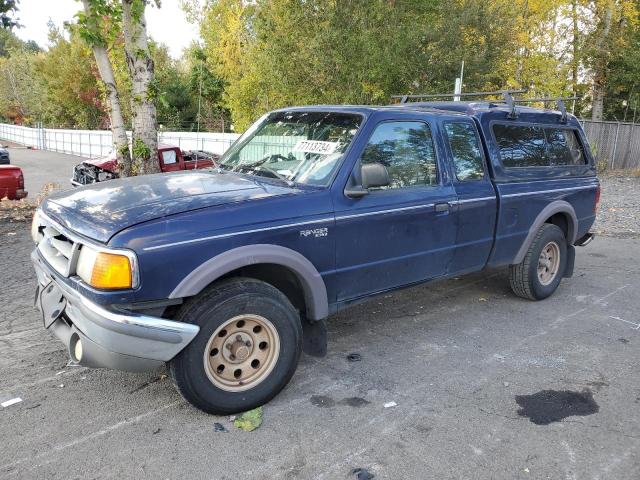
pixel 619 213
pixel 464 360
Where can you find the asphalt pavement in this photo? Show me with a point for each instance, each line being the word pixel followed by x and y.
pixel 41 167
pixel 483 385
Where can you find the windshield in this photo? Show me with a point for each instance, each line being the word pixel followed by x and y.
pixel 300 147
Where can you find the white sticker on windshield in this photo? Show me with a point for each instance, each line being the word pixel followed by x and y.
pixel 315 146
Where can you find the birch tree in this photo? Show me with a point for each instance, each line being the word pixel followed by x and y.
pixel 144 91
pixel 95 30
pixel 604 13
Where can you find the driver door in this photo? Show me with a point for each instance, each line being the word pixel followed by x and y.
pixel 402 233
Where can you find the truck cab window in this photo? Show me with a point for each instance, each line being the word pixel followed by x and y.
pixel 563 147
pixel 169 157
pixel 465 149
pixel 406 149
pixel 521 145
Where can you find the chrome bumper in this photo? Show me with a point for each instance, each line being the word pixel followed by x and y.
pixel 585 240
pixel 110 338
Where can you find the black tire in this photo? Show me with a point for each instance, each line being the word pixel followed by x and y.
pixel 524 276
pixel 212 308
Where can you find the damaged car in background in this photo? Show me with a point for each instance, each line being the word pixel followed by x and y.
pixel 170 159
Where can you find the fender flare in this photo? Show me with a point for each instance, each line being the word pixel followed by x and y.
pixel 558 206
pixel 314 289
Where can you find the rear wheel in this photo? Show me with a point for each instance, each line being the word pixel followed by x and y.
pixel 247 349
pixel 542 269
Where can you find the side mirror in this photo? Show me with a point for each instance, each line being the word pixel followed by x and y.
pixel 373 175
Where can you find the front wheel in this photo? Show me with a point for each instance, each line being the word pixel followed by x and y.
pixel 247 349
pixel 542 269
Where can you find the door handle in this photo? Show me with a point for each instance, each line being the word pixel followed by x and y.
pixel 442 207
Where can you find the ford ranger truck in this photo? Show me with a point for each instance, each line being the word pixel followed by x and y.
pixel 227 275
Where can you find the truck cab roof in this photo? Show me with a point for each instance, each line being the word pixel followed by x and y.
pixel 481 110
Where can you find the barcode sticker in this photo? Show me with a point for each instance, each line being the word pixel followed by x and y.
pixel 315 146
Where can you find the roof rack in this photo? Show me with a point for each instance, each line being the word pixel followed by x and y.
pixel 406 98
pixel 559 103
pixel 507 96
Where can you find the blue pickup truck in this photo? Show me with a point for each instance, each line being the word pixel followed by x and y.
pixel 226 275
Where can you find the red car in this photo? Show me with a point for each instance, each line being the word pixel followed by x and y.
pixel 170 158
pixel 11 183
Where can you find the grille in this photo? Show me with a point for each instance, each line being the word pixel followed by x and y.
pixel 84 175
pixel 56 247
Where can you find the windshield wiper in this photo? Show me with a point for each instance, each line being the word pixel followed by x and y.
pixel 279 176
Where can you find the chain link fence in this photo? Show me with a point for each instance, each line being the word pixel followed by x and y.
pixel 615 145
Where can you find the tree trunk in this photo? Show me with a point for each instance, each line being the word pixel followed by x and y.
pixel 143 108
pixel 575 61
pixel 601 62
pixel 118 131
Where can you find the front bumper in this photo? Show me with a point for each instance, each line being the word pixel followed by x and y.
pixel 110 338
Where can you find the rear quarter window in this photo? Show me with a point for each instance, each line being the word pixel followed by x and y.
pixel 521 145
pixel 465 149
pixel 538 146
pixel 563 147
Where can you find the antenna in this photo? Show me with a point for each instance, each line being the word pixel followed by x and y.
pixel 198 115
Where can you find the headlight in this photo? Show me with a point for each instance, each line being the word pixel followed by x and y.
pixel 106 270
pixel 35 223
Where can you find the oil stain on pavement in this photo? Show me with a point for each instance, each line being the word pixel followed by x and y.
pixel 549 406
pixel 324 401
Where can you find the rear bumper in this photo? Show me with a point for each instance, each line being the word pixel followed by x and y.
pixel 111 338
pixel 585 240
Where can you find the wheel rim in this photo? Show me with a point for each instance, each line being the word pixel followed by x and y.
pixel 548 263
pixel 241 353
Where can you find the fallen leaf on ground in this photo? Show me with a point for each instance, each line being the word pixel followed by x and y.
pixel 250 420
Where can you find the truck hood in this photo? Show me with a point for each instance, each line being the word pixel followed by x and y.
pixel 101 210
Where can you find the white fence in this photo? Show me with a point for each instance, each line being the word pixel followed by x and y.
pixel 98 143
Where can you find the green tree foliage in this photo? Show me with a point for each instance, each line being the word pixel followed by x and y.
pixel 205 88
pixel 623 83
pixel 283 52
pixel 60 86
pixel 273 53
pixel 264 54
pixel 8 9
pixel 68 78
pixel 20 91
